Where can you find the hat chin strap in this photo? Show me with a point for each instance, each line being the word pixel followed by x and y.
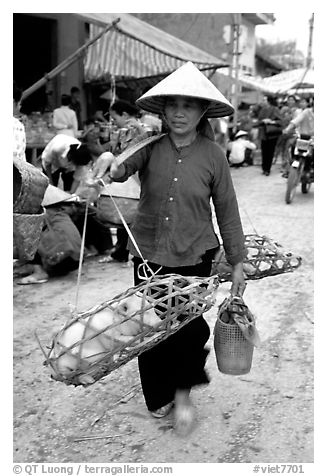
pixel 207 131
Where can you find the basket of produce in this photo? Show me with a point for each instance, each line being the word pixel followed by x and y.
pixel 27 230
pixel 95 342
pixel 235 336
pixel 264 257
pixel 29 186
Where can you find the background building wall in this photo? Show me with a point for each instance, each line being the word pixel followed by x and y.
pixel 66 36
pixel 210 32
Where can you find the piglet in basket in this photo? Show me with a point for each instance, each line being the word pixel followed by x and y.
pixel 88 340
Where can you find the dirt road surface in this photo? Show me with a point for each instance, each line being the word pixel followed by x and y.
pixel 263 416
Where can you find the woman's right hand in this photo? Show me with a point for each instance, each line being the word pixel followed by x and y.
pixel 103 164
pixel 116 170
pixel 107 168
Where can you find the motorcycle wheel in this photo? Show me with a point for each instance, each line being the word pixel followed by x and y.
pixel 305 187
pixel 292 181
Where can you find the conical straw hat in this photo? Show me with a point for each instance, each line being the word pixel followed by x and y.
pixel 54 195
pixel 186 81
pixel 241 134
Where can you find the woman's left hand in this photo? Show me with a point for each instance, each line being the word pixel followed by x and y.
pixel 238 281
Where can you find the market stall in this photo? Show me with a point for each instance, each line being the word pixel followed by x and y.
pixel 39 126
pixel 136 49
pixel 293 80
pixel 39 131
pixel 122 51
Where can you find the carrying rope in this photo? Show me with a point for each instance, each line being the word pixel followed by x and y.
pixel 81 256
pixel 248 217
pixel 120 158
pixel 130 234
pixel 143 267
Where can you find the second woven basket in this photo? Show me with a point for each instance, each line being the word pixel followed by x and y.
pixel 29 186
pixel 233 351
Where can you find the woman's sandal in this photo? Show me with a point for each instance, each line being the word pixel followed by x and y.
pixel 184 419
pixel 32 279
pixel 106 259
pixel 163 411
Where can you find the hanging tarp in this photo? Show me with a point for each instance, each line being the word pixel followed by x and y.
pixel 255 83
pixel 291 80
pixel 137 49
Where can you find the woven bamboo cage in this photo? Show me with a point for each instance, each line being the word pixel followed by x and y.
pixel 264 257
pixel 27 230
pixel 175 299
pixel 29 187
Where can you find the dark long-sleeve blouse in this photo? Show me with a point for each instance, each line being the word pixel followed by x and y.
pixel 173 225
pixel 268 112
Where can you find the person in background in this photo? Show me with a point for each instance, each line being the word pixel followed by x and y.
pixel 64 156
pixel 64 118
pixel 151 122
pixel 75 105
pixel 303 122
pixel 174 230
pixel 268 115
pixel 245 122
pixel 125 116
pixel 91 138
pixel 58 217
pixel 131 130
pixel 238 147
pixel 288 111
pixel 19 145
pixel 98 234
pixel 99 116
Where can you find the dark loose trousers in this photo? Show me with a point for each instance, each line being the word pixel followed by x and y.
pixel 178 361
pixel 267 152
pixel 66 177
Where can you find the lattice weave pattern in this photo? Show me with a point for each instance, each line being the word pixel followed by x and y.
pixel 175 299
pixel 27 232
pixel 31 185
pixel 233 351
pixel 264 257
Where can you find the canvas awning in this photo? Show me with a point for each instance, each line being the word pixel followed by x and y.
pixel 136 49
pixel 251 82
pixel 290 80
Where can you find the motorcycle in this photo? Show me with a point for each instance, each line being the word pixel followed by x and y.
pixel 301 168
